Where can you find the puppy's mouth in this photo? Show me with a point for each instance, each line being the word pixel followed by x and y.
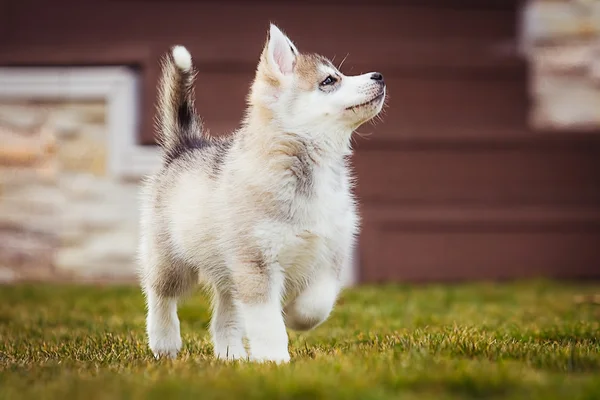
pixel 367 103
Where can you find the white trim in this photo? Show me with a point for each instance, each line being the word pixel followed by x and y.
pixel 118 86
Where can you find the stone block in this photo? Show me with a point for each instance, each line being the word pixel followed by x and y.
pixel 91 217
pixel 71 235
pixel 22 117
pixel 72 119
pixel 44 196
pixel 559 20
pixel 87 112
pixel 83 154
pixel 19 176
pixel 565 102
pixel 27 220
pixel 20 149
pixel 86 187
pixel 595 73
pixel 566 58
pixel 110 254
pixel 26 252
pixel 594 68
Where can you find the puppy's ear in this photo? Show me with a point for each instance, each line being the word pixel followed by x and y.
pixel 280 52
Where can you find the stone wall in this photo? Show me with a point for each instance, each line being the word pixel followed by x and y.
pixel 561 40
pixel 61 215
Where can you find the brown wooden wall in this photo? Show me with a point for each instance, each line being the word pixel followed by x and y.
pixel 453 185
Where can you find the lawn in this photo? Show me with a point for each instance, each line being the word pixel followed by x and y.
pixel 520 341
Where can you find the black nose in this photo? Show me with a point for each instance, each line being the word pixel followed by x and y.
pixel 377 76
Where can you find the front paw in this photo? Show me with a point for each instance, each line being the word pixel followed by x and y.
pixel 277 359
pixel 231 352
pixel 266 353
pixel 165 346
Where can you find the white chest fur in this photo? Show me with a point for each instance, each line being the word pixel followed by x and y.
pixel 321 232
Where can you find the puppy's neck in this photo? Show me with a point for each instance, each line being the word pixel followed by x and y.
pixel 264 130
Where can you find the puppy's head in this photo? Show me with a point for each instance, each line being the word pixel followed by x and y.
pixel 307 94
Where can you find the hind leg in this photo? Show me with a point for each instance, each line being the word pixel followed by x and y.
pixel 164 284
pixel 226 328
pixel 313 305
pixel 162 325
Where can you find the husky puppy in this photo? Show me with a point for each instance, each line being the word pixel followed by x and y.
pixel 265 217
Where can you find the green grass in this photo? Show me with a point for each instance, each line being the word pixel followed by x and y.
pixel 518 341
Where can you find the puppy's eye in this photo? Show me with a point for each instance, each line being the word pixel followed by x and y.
pixel 330 80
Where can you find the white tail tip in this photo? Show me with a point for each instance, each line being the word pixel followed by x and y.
pixel 182 58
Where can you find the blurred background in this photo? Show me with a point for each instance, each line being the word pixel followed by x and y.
pixel 486 165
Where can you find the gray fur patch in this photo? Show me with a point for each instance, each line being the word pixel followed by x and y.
pixel 221 149
pixel 174 280
pixel 303 170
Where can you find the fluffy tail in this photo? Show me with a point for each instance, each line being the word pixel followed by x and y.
pixel 178 125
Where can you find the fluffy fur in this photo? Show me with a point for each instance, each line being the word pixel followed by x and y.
pixel 265 217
